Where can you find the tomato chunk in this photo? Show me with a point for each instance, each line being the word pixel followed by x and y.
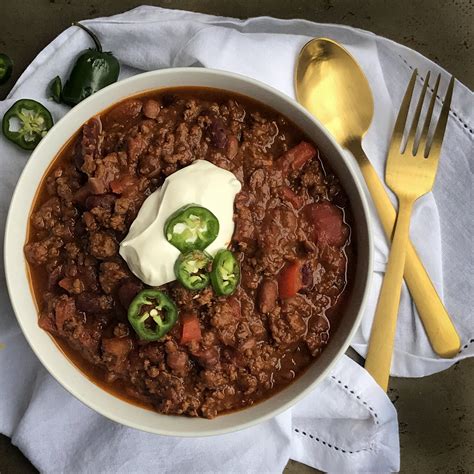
pixel 295 158
pixel 328 224
pixel 191 331
pixel 290 280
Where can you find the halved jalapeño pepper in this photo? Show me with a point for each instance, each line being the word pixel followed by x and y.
pixel 152 314
pixel 225 274
pixel 191 227
pixel 192 269
pixel 55 89
pixel 26 122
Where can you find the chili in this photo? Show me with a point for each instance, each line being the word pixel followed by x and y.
pixel 224 350
pixel 191 227
pixel 225 274
pixel 192 269
pixel 34 119
pixel 152 314
pixel 94 69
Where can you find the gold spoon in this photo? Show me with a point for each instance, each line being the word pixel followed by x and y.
pixel 332 86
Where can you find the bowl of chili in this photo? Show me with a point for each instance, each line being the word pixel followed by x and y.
pixel 194 267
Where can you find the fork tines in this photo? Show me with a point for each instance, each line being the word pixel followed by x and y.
pixel 416 138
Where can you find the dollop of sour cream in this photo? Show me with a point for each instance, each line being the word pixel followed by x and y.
pixel 145 248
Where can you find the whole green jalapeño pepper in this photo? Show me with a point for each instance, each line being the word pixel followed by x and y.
pixel 152 314
pixel 94 69
pixel 191 227
pixel 26 122
pixel 225 274
pixel 192 269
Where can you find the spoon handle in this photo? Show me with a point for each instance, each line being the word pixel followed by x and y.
pixel 436 321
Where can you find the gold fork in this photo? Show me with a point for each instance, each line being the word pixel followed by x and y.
pixel 410 173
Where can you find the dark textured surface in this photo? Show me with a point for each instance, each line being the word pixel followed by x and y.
pixel 441 30
pixel 436 413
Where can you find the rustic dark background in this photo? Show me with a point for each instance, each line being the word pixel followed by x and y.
pixel 436 413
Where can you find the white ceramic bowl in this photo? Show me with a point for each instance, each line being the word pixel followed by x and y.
pixel 65 371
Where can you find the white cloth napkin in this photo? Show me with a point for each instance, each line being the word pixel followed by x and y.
pixel 347 423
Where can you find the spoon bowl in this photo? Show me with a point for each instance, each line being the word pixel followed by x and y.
pixel 328 79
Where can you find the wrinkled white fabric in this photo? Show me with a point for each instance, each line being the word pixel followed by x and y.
pixel 347 423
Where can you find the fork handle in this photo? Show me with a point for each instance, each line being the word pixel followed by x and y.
pixel 436 321
pixel 382 337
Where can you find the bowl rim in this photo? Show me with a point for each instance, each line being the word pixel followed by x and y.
pixel 10 237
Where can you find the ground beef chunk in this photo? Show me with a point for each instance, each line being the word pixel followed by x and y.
pixel 46 322
pixel 104 201
pixel 72 250
pixel 110 275
pixel 121 330
pixel 177 360
pixel 40 252
pixel 207 358
pixel 213 378
pixel 56 274
pixel 92 139
pixel 267 296
pixel 37 252
pixel 73 286
pixel 48 215
pixel 318 335
pixel 136 146
pixel 288 324
pixel 226 312
pixel 218 133
pixel 102 245
pixel 225 318
pixel 232 147
pixel 182 297
pixel 244 233
pixel 150 165
pixel 66 313
pixel 92 303
pixel 314 180
pixel 106 170
pixel 286 328
pixel 115 351
pixel 205 297
pixel 278 231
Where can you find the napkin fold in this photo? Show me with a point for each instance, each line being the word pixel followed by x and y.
pixel 347 423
